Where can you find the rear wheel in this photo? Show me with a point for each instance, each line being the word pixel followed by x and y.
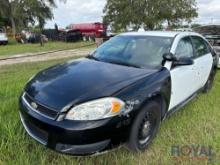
pixel 145 127
pixel 210 82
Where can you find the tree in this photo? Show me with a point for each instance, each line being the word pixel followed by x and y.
pixel 40 11
pixel 121 14
pixel 175 11
pixel 23 12
pixel 3 22
pixel 8 10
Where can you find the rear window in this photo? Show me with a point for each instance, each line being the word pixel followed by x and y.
pixel 201 47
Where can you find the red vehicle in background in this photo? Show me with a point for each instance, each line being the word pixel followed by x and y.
pixel 90 31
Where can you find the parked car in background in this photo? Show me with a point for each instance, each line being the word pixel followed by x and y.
pixel 90 31
pixel 110 34
pixel 36 38
pixel 30 37
pixel 69 35
pixel 3 38
pixel 214 40
pixel 118 94
pixel 52 34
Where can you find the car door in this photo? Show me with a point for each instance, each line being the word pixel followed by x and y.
pixel 183 78
pixel 203 60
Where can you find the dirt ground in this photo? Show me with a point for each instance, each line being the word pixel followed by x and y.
pixel 21 58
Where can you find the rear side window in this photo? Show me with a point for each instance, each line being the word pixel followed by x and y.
pixel 200 46
pixel 184 48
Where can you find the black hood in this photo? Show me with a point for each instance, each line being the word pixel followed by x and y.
pixel 81 80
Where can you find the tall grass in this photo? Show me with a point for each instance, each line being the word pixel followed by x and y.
pixel 197 123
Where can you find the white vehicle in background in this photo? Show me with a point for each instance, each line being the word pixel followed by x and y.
pixel 3 38
pixel 214 40
pixel 217 50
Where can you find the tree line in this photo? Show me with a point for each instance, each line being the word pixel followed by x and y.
pixel 20 14
pixel 150 14
pixel 119 14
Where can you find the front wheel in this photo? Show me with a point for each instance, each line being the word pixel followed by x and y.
pixel 210 82
pixel 145 127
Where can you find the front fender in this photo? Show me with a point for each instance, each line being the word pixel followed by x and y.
pixel 138 93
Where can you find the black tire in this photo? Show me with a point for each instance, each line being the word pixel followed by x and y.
pixel 145 127
pixel 209 84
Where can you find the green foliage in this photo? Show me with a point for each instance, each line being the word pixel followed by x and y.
pixel 174 11
pixel 40 11
pixel 3 21
pixel 121 14
pixel 22 12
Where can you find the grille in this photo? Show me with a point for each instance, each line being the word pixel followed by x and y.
pixel 35 132
pixel 49 113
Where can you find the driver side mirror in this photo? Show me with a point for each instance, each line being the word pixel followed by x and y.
pixel 169 57
pixel 178 61
pixel 183 61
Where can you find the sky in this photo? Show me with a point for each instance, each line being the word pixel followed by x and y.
pixel 79 11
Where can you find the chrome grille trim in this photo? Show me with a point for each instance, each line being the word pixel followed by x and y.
pixel 36 111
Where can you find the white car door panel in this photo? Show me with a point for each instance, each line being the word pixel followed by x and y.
pixel 183 84
pixel 204 66
pixel 183 78
pixel 186 80
pixel 203 60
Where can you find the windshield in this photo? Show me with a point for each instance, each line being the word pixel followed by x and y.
pixel 139 51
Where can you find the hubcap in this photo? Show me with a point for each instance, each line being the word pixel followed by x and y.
pixel 144 135
pixel 145 129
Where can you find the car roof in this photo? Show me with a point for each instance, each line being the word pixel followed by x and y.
pixel 171 34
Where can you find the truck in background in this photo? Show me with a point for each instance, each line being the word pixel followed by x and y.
pixel 90 31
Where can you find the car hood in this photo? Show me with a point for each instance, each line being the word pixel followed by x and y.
pixel 81 80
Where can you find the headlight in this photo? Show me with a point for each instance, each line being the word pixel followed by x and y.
pixel 95 110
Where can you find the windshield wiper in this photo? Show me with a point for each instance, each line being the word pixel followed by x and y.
pixel 92 57
pixel 124 63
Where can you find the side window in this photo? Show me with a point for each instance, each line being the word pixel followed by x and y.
pixel 184 48
pixel 200 46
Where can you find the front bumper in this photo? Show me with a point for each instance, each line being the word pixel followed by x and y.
pixel 74 137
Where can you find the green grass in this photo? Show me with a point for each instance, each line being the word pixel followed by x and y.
pixel 197 123
pixel 14 48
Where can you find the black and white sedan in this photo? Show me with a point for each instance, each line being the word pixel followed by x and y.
pixel 118 94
